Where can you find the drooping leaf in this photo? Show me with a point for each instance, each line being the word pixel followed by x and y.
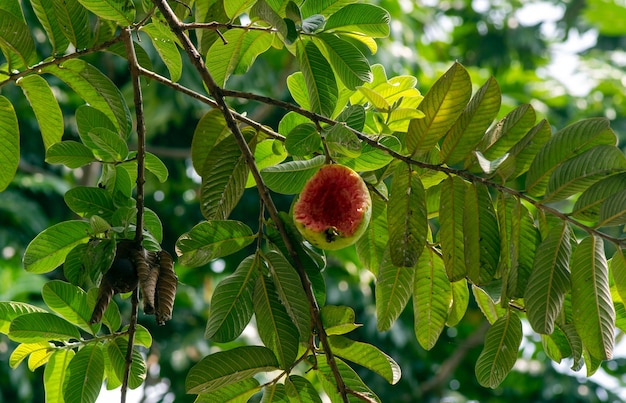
pixel 156 166
pixel 276 329
pixel 46 14
pixel 394 287
pixel 549 280
pixel 467 131
pixel 442 105
pixel 275 393
pixel 120 11
pixel 45 106
pixel 10 310
pixel 338 319
pixel 481 235
pixel 96 89
pixel 617 267
pixel 406 217
pixel 290 292
pixel 42 326
pixel 460 302
pixel 432 296
pixel 371 246
pixel 55 373
pixel 84 374
pixel 318 77
pixel 452 202
pixel 210 240
pixel 50 247
pixel 563 145
pixel 348 62
pixel 227 367
pixel 210 130
pixel 236 54
pixel 164 42
pixel 290 177
pixel 366 19
pixel 302 388
pixel 591 298
pixel 231 303
pixel 224 177
pixel 40 351
pixel 492 310
pixel 9 143
pixel 116 354
pixel 68 301
pixel 499 354
pixel 580 172
pixel 350 377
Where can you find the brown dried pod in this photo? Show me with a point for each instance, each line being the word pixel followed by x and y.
pixel 148 273
pixel 105 292
pixel 166 288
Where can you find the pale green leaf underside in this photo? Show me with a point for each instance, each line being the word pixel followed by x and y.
pixel 45 106
pixel 9 143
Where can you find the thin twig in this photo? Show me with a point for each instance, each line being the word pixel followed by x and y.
pixel 620 242
pixel 218 95
pixel 133 65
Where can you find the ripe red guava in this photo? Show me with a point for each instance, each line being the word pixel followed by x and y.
pixel 334 208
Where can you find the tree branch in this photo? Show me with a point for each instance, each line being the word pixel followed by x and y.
pixel 218 95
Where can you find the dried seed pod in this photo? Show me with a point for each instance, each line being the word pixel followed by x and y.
pixel 148 273
pixel 166 288
pixel 105 292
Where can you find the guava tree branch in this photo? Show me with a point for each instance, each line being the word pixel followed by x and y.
pixel 133 65
pixel 218 95
pixel 620 242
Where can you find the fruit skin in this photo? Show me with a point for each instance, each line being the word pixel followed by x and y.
pixel 334 208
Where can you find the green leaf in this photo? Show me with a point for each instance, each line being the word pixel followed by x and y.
pixel 224 177
pixel 589 203
pixel 68 301
pixel 468 129
pixel 371 246
pixel 9 143
pixel 120 11
pixel 565 144
pixel 227 367
pixel 10 310
pixel 351 379
pixel 442 105
pixel 406 217
pixel 55 373
pixel 231 304
pixel 613 210
pixel 460 301
pixel 106 145
pixel 591 298
pixel 73 18
pixel 112 317
pixel 549 280
pixel 84 375
pixel 50 247
pixel 164 42
pixel 39 351
pixel 90 201
pixel 45 106
pixel 481 235
pixel 116 350
pixel 70 153
pixel 265 12
pixel 290 177
pixel 276 329
pixel 432 296
pixel 275 393
pixel 310 7
pixel 96 89
pixel 302 389
pixel 236 392
pixel 236 54
pixel 394 287
pixel 319 79
pixel 341 140
pixel 267 153
pixel 299 92
pixel 16 42
pixel 234 8
pixel 451 205
pixel 303 140
pixel 522 153
pixel 499 354
pixel 508 131
pixel 580 172
pixel 366 19
pixel 487 305
pixel 212 239
pixel 290 292
pixel 371 158
pixel 347 61
pixel 617 267
pixel 338 319
pixel 367 356
pixel 47 16
pixel 41 326
pixel 210 130
pixel 156 166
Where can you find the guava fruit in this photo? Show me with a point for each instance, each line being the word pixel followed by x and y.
pixel 334 208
